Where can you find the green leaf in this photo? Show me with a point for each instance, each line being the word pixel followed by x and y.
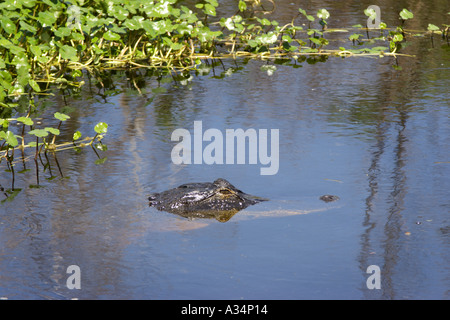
pixel 33 144
pixel 27 27
pixel 36 50
pixel 4 123
pixel 61 116
pixel 265 22
pixel 76 135
pixel 17 89
pixel 28 3
pixel 242 6
pixel 371 13
pixel 8 25
pixel 39 133
pixel 63 32
pixel 118 29
pixel 268 38
pixel 286 38
pixel 354 36
pixel 16 50
pixel 101 127
pixel 111 36
pixel 46 18
pixel 392 46
pixel 406 14
pixel 210 10
pixel 398 37
pixel 184 28
pixel 432 27
pixel 119 12
pixel 11 194
pixel 68 53
pixel 323 14
pixel 316 41
pixel 100 161
pixel 172 45
pixel 77 36
pixel 101 146
pixel 53 131
pixel 9 137
pixel 34 85
pixel 26 121
pixel 135 23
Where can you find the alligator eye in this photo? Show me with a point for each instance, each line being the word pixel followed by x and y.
pixel 225 191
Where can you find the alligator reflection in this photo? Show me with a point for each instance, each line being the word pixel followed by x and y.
pixel 219 200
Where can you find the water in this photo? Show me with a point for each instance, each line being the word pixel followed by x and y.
pixel 356 128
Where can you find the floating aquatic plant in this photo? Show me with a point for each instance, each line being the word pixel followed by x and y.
pixel 47 45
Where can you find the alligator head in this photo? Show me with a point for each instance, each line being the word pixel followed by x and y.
pixel 219 200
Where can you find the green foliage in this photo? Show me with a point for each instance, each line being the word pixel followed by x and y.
pixel 47 44
pixel 9 137
pixel 208 6
pixel 242 6
pixel 52 130
pixel 432 27
pixel 61 116
pixel 44 41
pixel 307 16
pixel 371 13
pixel 406 14
pixel 39 133
pixel 26 121
pixel 323 14
pixel 11 142
pixel 355 37
pixel 76 135
pixel 101 127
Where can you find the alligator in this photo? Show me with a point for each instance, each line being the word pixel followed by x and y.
pixel 219 199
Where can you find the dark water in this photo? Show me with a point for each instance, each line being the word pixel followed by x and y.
pixel 357 128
